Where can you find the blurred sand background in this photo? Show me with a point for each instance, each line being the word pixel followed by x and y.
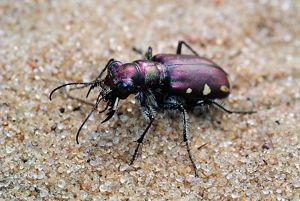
pixel 247 157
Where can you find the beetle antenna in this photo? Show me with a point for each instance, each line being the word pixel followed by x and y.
pixel 93 84
pixel 85 84
pixel 99 98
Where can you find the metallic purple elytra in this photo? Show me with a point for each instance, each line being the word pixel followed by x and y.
pixel 160 82
pixel 193 77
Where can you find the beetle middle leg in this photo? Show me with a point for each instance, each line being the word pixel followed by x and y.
pixel 180 107
pixel 179 47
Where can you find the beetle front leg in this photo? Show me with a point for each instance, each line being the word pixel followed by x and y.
pixel 180 107
pixel 179 47
pixel 141 138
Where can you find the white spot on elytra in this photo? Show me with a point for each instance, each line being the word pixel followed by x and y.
pixel 189 90
pixel 206 90
pixel 224 89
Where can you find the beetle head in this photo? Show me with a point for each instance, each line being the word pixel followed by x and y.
pixel 118 84
pixel 121 78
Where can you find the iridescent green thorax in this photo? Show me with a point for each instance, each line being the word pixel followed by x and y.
pixel 152 75
pixel 149 74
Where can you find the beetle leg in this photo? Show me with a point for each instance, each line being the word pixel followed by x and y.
pixel 147 55
pixel 185 139
pixel 141 138
pixel 179 47
pixel 137 50
pixel 180 107
pixel 227 110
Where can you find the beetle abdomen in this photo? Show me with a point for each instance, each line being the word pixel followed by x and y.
pixel 194 77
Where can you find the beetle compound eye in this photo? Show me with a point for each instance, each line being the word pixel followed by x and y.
pixel 124 87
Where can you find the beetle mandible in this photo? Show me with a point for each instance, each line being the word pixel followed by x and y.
pixel 160 82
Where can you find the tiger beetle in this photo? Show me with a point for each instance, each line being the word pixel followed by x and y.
pixel 161 82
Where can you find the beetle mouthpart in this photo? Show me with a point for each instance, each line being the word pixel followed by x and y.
pixel 106 93
pixel 116 104
pixel 113 102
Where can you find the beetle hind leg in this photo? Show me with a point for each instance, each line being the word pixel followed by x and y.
pixel 229 111
pixel 179 47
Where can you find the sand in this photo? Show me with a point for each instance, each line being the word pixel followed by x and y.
pixel 246 157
